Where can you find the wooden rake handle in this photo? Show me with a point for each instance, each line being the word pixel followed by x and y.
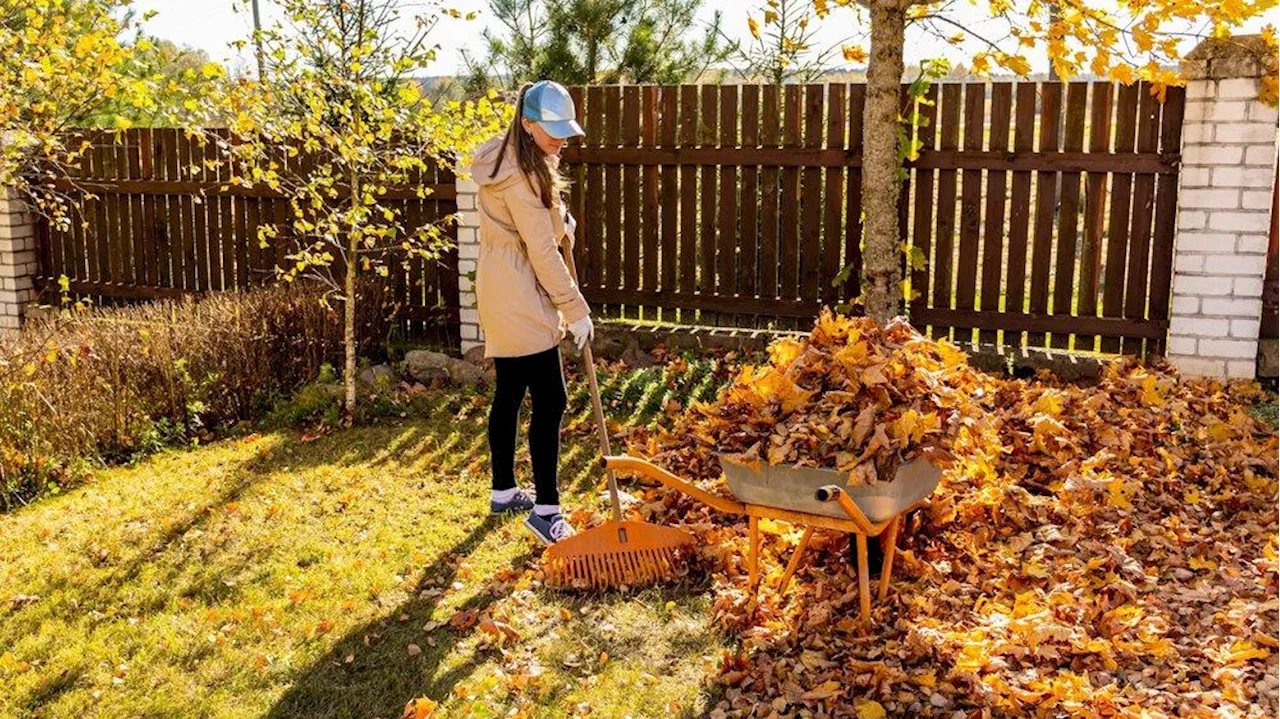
pixel 602 429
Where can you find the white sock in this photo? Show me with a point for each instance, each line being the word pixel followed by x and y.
pixel 546 510
pixel 504 495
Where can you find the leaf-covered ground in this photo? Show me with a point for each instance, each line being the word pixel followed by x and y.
pixel 285 575
pixel 1094 551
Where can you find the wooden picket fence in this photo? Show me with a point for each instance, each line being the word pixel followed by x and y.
pixel 156 222
pixel 1044 211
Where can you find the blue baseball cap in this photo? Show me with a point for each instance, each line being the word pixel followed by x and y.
pixel 548 104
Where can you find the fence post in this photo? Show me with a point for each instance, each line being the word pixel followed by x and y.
pixel 18 262
pixel 1224 213
pixel 468 253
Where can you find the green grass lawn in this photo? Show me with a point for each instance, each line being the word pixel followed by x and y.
pixel 283 575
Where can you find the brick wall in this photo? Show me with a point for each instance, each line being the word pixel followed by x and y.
pixel 18 262
pixel 1224 216
pixel 468 253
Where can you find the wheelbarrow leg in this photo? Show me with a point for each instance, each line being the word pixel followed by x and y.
pixel 890 546
pixel 753 566
pixel 864 581
pixel 795 560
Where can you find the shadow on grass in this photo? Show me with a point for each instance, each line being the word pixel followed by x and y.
pixel 382 674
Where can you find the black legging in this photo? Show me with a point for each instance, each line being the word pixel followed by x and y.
pixel 542 376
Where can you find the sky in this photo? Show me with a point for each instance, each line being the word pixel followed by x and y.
pixel 211 25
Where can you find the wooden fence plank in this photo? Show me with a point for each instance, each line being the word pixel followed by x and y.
pixel 191 272
pixel 631 200
pixel 1135 301
pixel 968 250
pixel 112 231
pixel 612 228
pixel 1171 117
pixel 770 136
pixel 162 142
pixel 137 214
pixel 592 273
pixel 833 197
pixel 1113 283
pixel 1069 210
pixel 227 238
pixel 1046 207
pixel 749 201
pixel 688 256
pixel 670 193
pixel 650 217
pixel 125 168
pixel 577 174
pixel 200 208
pixel 99 271
pixel 811 198
pixel 280 211
pixel 922 230
pixel 1095 208
pixel 726 244
pixel 707 131
pixel 994 224
pixel 789 202
pixel 853 198
pixel 946 206
pixel 213 224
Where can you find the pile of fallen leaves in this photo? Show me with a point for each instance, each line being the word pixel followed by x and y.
pixel 1108 550
pixel 853 396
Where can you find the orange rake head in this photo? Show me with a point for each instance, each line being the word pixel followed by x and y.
pixel 615 554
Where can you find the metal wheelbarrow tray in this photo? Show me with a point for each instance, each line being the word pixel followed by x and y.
pixel 813 498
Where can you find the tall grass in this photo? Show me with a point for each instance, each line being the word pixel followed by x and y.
pixel 107 384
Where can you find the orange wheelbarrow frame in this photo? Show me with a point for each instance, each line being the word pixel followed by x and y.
pixel 856 524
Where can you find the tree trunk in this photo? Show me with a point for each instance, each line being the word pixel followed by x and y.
pixel 593 51
pixel 349 310
pixel 881 259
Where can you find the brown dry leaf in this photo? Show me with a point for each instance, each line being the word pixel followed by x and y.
pixel 464 619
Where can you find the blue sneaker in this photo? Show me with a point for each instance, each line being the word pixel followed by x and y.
pixel 521 502
pixel 549 529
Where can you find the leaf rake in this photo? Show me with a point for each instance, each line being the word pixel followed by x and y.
pixel 617 553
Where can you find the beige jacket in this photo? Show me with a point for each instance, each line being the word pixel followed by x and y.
pixel 523 288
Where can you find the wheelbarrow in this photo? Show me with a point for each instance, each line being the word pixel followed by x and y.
pixel 813 498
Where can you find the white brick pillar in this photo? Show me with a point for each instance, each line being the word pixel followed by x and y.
pixel 468 253
pixel 18 262
pixel 1224 214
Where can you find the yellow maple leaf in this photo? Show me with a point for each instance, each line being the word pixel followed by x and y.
pixel 1049 403
pixel 869 709
pixel 854 53
pixel 913 426
pixel 1200 563
pixel 1118 494
pixel 754 27
pixel 1243 651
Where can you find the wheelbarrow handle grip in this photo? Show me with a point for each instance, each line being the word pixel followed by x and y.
pixel 829 493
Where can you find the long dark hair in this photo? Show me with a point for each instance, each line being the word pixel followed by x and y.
pixel 532 161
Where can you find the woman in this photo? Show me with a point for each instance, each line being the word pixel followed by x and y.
pixel 526 296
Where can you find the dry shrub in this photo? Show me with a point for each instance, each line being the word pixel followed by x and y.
pixel 110 383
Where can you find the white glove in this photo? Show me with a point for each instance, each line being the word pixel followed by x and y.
pixel 582 330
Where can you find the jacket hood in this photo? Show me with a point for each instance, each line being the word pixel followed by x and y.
pixel 485 158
